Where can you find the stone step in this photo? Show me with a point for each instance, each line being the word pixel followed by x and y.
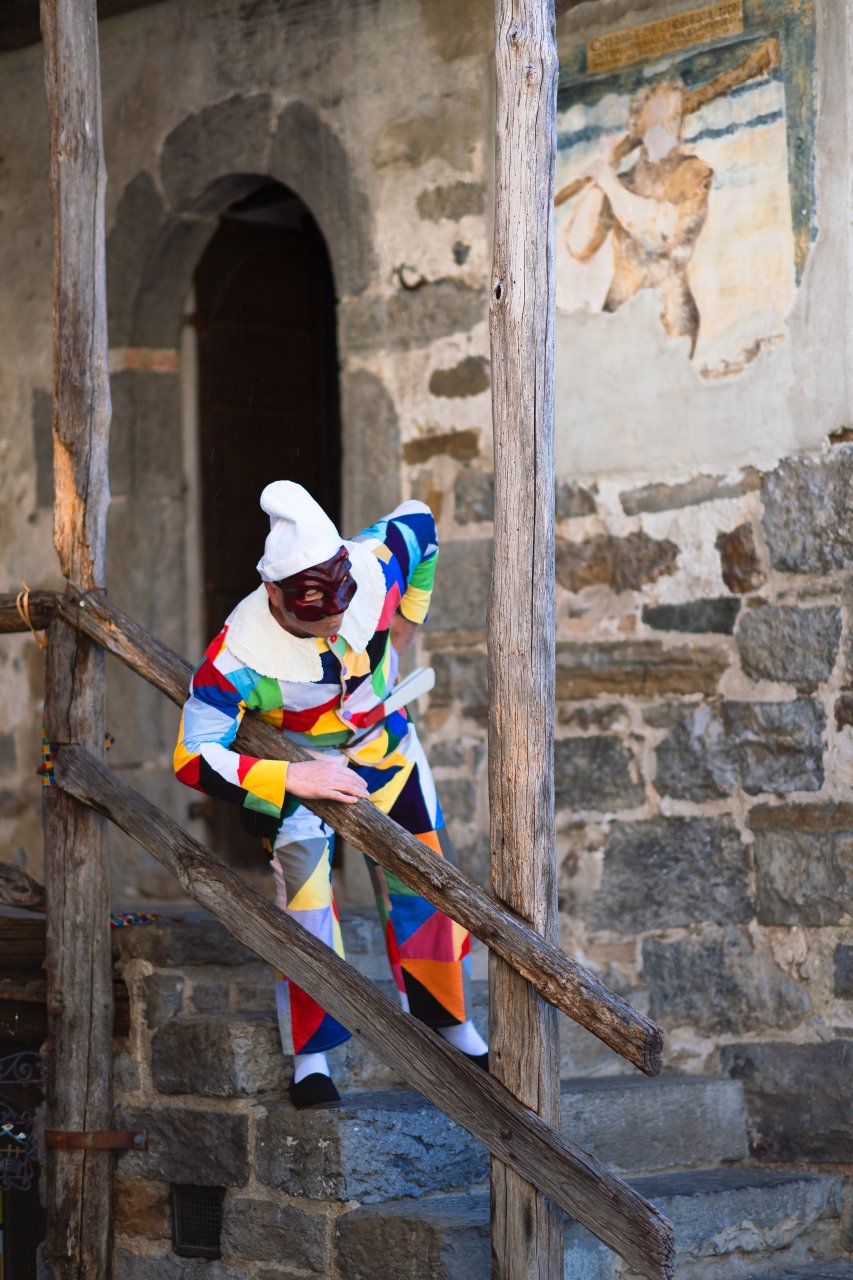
pixel 815 1271
pixel 674 1122
pixel 726 1222
pixel 632 1124
pixel 183 982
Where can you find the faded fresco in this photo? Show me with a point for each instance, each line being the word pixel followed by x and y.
pixel 673 175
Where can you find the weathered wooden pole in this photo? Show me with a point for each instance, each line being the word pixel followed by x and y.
pixel 79 986
pixel 524 1049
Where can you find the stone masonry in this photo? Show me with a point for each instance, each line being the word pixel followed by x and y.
pixel 702 765
pixel 386 1187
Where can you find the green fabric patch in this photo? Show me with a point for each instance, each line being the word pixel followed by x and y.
pixel 261 806
pixel 266 695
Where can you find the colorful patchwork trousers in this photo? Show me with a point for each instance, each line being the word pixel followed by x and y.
pixel 429 954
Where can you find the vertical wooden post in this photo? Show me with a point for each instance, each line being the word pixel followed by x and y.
pixel 524 1052
pixel 79 1183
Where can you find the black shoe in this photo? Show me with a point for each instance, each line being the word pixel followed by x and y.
pixel 479 1059
pixel 315 1090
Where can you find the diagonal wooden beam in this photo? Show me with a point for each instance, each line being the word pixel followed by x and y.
pixel 558 979
pixel 574 1179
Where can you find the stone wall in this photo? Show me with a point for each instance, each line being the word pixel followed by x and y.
pixel 203 1075
pixel 702 764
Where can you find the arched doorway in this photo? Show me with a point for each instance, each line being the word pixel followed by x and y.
pixel 268 381
pixel 268 405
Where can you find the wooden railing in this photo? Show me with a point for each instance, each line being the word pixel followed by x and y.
pixel 570 1176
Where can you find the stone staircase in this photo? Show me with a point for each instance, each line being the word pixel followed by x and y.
pixel 386 1186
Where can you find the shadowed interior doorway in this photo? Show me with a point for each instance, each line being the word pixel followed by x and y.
pixel 269 405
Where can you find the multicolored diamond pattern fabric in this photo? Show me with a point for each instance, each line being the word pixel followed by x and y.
pixel 428 953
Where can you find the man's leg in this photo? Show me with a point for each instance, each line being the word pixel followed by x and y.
pixel 301 861
pixel 429 953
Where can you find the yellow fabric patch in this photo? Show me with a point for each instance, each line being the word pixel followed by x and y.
pixel 328 723
pixel 274 717
pixel 357 664
pixel 382 552
pixel 182 756
pixel 316 892
pixel 385 797
pixel 265 780
pixel 372 752
pixel 415 604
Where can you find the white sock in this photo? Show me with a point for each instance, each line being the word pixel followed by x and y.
pixel 404 1000
pixel 307 1064
pixel 466 1037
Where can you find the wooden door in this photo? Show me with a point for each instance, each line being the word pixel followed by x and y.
pixel 268 404
pixel 268 382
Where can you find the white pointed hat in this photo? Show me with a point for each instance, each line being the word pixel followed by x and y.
pixel 301 534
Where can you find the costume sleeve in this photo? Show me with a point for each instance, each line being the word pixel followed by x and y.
pixel 203 757
pixel 409 533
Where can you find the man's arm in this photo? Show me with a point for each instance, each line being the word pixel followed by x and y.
pixel 658 224
pixel 403 632
pixel 409 534
pixel 221 691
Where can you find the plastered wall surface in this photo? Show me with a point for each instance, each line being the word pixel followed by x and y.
pixel 629 402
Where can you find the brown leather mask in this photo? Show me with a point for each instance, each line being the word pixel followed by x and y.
pixel 333 578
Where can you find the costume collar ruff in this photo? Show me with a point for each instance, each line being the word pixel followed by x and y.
pixel 256 639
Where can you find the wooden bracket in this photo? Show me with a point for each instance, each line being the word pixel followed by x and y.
pixel 95 1140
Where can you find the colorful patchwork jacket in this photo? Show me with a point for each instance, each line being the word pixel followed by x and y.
pixel 320 693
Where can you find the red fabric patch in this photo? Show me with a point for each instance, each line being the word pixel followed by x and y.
pixel 433 940
pixel 389 608
pixel 189 774
pixel 303 721
pixel 215 647
pixel 209 676
pixel 305 1016
pixel 244 764
pixel 391 944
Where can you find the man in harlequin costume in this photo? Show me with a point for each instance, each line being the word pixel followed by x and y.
pixel 314 649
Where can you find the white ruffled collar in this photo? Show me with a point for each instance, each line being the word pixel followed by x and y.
pixel 256 639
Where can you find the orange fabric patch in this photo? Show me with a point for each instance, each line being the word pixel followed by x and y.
pixel 443 980
pixel 430 838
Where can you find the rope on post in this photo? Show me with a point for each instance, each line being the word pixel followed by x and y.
pixel 22 604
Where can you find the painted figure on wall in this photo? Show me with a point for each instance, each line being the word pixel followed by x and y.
pixel 655 211
pixel 675 178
